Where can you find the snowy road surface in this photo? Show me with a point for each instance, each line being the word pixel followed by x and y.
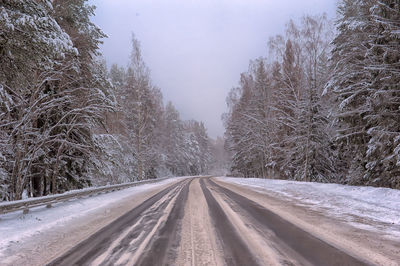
pixel 211 221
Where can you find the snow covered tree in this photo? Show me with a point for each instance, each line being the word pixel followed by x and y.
pixel 366 79
pixel 219 164
pixel 174 141
pixel 6 151
pixel 89 78
pixel 245 140
pixel 46 129
pixel 74 17
pixel 383 154
pixel 287 79
pixel 277 126
pixel 184 145
pixel 198 151
pixel 261 116
pixel 154 137
pixel 30 41
pixel 139 109
pixel 314 157
pixel 348 82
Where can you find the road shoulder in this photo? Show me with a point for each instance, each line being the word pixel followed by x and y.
pixel 361 243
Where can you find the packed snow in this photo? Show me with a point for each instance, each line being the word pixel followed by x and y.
pixel 16 226
pixel 368 208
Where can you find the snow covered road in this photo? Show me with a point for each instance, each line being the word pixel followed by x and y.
pixel 361 220
pixel 211 221
pixel 239 232
pixel 370 208
pixel 42 234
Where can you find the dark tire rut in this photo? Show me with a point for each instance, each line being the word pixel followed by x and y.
pixel 312 249
pixel 98 243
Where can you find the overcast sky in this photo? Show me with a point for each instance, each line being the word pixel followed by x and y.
pixel 196 50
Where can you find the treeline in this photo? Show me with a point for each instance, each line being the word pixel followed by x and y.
pixel 66 122
pixel 147 139
pixel 325 105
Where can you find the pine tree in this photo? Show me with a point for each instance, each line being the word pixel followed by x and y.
pixel 366 79
pixel 174 141
pixel 30 41
pixel 350 83
pixel 383 153
pixel 314 157
pixel 287 98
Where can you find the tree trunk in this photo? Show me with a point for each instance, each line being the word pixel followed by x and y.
pixel 17 175
pixel 139 156
pixel 55 170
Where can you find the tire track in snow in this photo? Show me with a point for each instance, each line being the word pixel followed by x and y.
pixel 310 248
pixel 119 234
pixel 235 250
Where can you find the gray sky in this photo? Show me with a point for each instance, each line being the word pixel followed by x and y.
pixel 196 50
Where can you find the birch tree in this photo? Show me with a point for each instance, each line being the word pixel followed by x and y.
pixel 139 108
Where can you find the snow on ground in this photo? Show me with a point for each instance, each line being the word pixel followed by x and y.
pixel 369 208
pixel 16 226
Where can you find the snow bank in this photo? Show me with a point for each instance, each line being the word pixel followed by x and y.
pixel 369 208
pixel 16 226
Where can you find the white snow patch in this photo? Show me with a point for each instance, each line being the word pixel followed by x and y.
pixel 16 226
pixel 25 195
pixel 368 208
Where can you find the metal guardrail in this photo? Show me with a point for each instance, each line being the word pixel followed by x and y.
pixel 47 201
